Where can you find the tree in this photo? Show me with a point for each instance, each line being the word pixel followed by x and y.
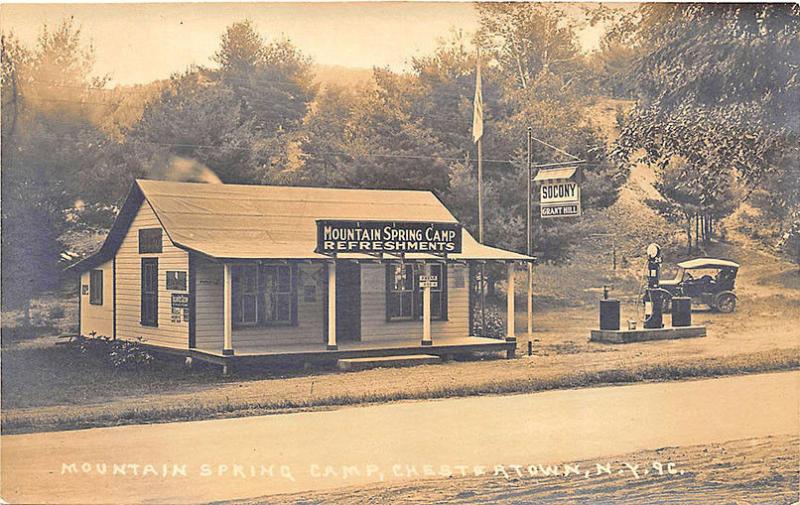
pixel 685 198
pixel 718 87
pixel 273 81
pixel 528 39
pixel 613 63
pixel 241 49
pixel 195 118
pixel 53 155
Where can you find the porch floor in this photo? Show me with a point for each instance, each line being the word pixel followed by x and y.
pixel 317 352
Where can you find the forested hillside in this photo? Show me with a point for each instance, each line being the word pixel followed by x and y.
pixel 710 112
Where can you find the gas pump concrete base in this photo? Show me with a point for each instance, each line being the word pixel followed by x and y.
pixel 644 334
pixel 654 318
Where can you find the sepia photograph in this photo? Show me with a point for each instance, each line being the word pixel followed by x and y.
pixel 389 253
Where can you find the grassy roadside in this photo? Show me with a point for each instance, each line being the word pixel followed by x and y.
pixel 114 414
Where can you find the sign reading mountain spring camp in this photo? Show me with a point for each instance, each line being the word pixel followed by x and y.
pixel 390 237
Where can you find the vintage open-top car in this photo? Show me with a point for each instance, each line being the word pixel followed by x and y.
pixel 709 281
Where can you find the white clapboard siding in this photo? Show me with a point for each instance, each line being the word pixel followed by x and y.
pixel 374 326
pixel 167 333
pixel 208 304
pixel 209 308
pixel 98 318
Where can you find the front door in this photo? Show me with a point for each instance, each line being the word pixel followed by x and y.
pixel 348 301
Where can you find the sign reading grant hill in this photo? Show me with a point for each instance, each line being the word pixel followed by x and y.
pixel 392 237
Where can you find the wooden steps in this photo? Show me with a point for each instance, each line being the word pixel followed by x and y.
pixel 351 364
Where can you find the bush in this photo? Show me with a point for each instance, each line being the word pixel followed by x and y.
pixel 495 322
pixel 123 354
pixel 56 312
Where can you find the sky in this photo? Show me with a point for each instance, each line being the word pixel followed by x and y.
pixel 139 43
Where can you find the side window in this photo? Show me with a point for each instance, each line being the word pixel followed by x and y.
pixel 96 287
pixel 149 309
pixel 149 240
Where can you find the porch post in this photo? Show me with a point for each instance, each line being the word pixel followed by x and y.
pixel 227 332
pixel 426 306
pixel 510 336
pixel 331 305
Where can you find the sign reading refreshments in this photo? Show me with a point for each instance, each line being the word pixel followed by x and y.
pixel 392 237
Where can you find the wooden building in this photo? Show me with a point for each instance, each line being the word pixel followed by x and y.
pixel 231 273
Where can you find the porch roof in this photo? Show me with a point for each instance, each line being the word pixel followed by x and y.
pixel 232 221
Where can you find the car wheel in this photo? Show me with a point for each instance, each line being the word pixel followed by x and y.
pixel 726 303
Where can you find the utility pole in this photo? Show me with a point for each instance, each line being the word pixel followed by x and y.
pixel 477 134
pixel 530 233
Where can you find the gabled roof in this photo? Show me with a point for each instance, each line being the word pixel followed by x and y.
pixel 117 233
pixel 231 221
pixel 707 263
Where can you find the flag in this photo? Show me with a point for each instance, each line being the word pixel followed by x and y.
pixel 477 111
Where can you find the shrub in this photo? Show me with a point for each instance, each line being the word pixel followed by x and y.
pixel 123 354
pixel 495 322
pixel 56 312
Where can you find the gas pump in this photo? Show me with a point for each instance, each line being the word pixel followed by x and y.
pixel 653 304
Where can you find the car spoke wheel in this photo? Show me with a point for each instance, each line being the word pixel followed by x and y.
pixel 726 302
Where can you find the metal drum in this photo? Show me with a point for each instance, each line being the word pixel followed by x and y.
pixel 609 314
pixel 681 311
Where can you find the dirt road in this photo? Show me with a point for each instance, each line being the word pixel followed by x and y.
pixel 754 470
pixel 190 462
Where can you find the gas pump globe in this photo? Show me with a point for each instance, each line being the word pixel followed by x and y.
pixel 653 305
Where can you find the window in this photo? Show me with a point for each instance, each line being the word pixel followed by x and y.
pixel 176 280
pixel 96 287
pixel 404 295
pixel 149 240
pixel 149 313
pixel 245 295
pixel 277 294
pixel 438 294
pixel 264 295
pixel 400 281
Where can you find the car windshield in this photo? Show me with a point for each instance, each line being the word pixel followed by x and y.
pixel 700 273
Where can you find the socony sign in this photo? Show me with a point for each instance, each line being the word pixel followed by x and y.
pixel 559 192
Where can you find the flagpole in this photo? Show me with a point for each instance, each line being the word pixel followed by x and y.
pixel 480 231
pixel 480 190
